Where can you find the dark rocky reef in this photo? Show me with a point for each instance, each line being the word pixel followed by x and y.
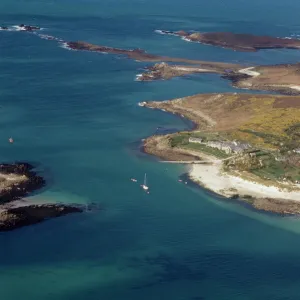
pixel 22 181
pixel 138 54
pixel 235 77
pixel 22 27
pixel 237 41
pixel 29 27
pixel 17 180
pixel 13 218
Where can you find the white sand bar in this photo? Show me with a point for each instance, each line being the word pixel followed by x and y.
pixel 211 177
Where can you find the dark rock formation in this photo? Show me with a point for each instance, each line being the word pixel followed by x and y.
pixel 25 181
pixel 29 27
pixel 235 77
pixel 13 218
pixel 138 54
pixel 17 180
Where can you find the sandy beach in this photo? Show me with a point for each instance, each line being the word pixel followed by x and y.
pixel 212 178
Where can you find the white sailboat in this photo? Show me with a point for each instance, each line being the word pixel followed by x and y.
pixel 144 186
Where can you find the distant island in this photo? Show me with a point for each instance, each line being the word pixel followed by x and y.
pixel 18 180
pixel 244 146
pixel 236 41
pixel 284 78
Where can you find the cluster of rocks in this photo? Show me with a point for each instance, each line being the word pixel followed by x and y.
pixel 13 218
pixel 17 180
pixel 23 27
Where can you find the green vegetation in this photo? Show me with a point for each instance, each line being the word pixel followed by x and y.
pixel 264 165
pixel 207 150
pixel 277 170
pixel 181 140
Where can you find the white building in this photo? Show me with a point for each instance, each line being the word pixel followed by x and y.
pixel 227 147
pixel 195 140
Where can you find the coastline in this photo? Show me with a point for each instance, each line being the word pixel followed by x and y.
pixel 229 185
pixel 209 176
pixel 207 171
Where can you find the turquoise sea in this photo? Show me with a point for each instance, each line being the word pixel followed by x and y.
pixel 75 115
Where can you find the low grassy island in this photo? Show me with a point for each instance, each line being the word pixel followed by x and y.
pixel 244 146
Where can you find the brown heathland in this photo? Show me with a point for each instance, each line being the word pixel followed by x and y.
pixel 238 41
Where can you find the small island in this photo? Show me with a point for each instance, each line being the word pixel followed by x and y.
pixel 243 146
pixel 141 55
pixel 17 181
pixel 236 41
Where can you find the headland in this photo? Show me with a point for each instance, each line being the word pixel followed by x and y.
pixel 245 146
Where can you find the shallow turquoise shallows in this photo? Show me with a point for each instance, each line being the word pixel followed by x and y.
pixel 75 115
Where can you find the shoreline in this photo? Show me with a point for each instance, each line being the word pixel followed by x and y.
pixel 205 170
pixel 270 200
pixel 259 196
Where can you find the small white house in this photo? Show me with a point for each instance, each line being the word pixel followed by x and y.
pixel 297 150
pixel 195 140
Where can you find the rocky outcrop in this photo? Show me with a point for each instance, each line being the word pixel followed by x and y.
pixel 29 27
pixel 21 27
pixel 277 206
pixel 166 71
pixel 13 218
pixel 138 54
pixel 18 180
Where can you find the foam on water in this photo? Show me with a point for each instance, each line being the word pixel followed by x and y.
pixel 48 37
pixel 138 77
pixel 164 32
pixel 19 28
pixel 65 45
pixel 187 39
pixel 293 36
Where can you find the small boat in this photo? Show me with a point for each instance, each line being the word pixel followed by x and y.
pixel 11 140
pixel 179 180
pixel 133 179
pixel 144 186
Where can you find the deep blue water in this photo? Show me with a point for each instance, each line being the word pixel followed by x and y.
pixel 75 114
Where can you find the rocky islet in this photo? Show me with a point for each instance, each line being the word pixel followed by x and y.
pixel 17 180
